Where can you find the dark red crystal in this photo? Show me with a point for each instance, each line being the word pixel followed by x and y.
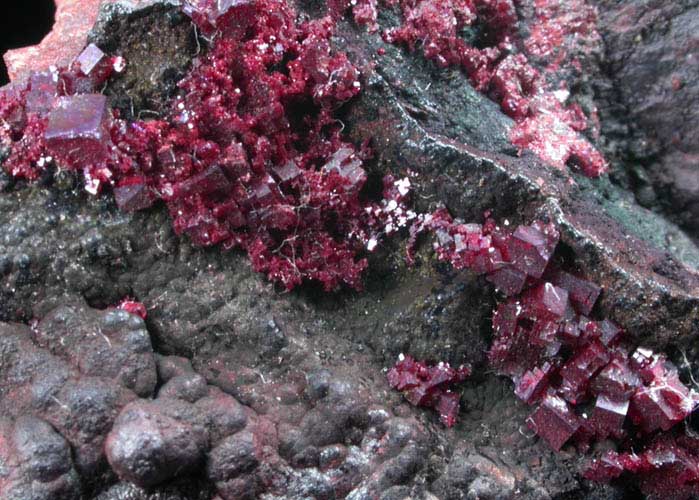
pixel 429 385
pixel 582 293
pixel 667 468
pixel 608 416
pixel 554 421
pixel 42 92
pixel 77 130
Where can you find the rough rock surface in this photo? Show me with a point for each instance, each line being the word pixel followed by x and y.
pixel 72 21
pixel 248 392
pixel 650 59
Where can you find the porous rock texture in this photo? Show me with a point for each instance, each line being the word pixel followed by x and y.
pixel 231 389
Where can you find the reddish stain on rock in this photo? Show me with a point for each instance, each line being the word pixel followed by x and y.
pixel 74 18
pixel 133 307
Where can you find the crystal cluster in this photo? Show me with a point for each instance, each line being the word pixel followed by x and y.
pixel 429 386
pixel 501 64
pixel 58 114
pixel 249 156
pixel 667 468
pixel 584 382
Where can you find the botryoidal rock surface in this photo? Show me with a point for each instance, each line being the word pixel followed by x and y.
pixel 230 389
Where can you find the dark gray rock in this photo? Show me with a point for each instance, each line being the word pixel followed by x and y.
pixel 233 457
pixel 35 462
pixel 147 446
pixel 110 343
pixel 37 383
pixel 172 366
pixel 651 51
pixel 189 387
pixel 158 43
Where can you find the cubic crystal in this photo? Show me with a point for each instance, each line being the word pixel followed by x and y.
pixel 77 129
pixel 554 421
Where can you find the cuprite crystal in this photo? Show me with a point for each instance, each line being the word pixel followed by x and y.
pixel 609 332
pixel 288 172
pixel 429 385
pixel 533 383
pixel 132 197
pixel 554 421
pixel 345 163
pixel 231 17
pixel 608 416
pixel 616 380
pixel 90 59
pixel 77 129
pixel 582 293
pixel 546 301
pixel 608 466
pixel 448 407
pixel 262 192
pixel 508 279
pixel 42 93
pixel 577 372
pixel 661 405
pixel 210 180
pixel 668 467
pixel 570 332
pixel 530 249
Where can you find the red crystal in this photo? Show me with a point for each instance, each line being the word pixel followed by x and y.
pixel 133 307
pixel 661 405
pixel 546 302
pixel 580 369
pixel 616 380
pixel 667 468
pixel 42 93
pixel 77 130
pixel 429 386
pixel 508 280
pixel 90 59
pixel 532 385
pixel 530 249
pixel 609 332
pixel 554 421
pixel 231 17
pixel 608 416
pixel 582 293
pixel 131 197
pixel 448 408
